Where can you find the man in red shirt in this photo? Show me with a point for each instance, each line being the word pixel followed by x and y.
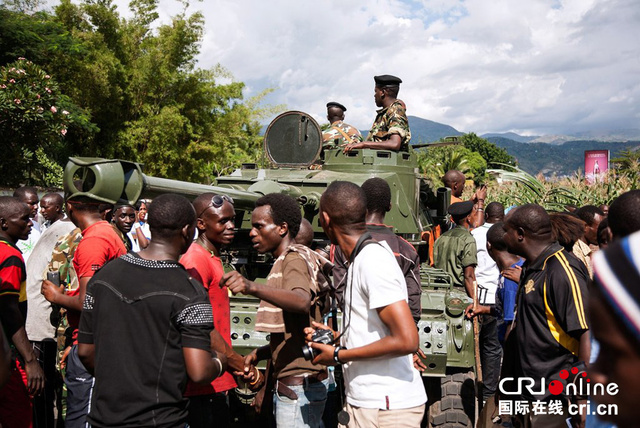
pixel 209 405
pixel 99 245
pixel 26 378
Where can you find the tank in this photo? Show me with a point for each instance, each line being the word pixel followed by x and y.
pixel 301 168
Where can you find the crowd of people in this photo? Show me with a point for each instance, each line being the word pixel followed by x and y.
pixel 131 303
pixel 134 330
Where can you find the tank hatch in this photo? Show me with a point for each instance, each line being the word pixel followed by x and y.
pixel 293 139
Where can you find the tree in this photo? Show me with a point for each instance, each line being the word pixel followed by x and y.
pixel 138 81
pixel 434 162
pixel 34 118
pixel 491 153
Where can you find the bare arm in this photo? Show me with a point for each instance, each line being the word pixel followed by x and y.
pixel 218 344
pixel 11 318
pixel 296 300
pixel 584 351
pixel 469 280
pixel 143 242
pixel 86 353
pixel 5 358
pixel 201 365
pixel 394 142
pixel 402 340
pixel 56 295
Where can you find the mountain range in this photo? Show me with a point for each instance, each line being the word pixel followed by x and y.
pixel 561 155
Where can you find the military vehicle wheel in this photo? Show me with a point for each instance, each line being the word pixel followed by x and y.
pixel 455 406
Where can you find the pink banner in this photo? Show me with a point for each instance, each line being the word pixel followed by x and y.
pixel 596 164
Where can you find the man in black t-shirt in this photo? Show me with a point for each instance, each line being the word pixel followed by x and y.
pixel 551 322
pixel 145 327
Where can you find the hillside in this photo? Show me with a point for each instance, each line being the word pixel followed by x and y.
pixel 560 159
pixel 428 131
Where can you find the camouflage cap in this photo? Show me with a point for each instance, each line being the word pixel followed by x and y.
pixel 335 104
pixel 387 80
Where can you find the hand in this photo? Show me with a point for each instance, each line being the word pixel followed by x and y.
pixel 324 354
pixel 236 283
pixel 49 290
pixel 352 146
pixel 481 193
pixel 252 376
pixel 35 377
pixel 63 359
pixel 418 356
pixel 309 331
pixel 513 273
pixel 479 310
pixel 250 362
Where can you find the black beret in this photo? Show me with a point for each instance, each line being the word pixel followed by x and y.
pixel 387 80
pixel 335 104
pixel 460 209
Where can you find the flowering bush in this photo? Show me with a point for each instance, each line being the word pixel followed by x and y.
pixel 33 115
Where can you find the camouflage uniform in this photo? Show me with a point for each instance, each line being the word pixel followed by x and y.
pixel 62 261
pixel 342 132
pixel 391 120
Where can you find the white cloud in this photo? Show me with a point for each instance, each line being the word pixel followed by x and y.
pixel 541 66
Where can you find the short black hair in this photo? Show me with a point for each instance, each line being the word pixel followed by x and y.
pixel 378 194
pixel 56 198
pixel 532 218
pixel 10 205
pixel 391 91
pixel 23 191
pixel 495 237
pixel 623 214
pixel 345 202
pixel 283 209
pixel 588 213
pixel 494 210
pixel 169 213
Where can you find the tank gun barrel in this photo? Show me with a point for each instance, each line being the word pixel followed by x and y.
pixel 113 180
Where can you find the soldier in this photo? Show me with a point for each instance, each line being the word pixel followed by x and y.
pixel 340 133
pixel 455 251
pixel 390 130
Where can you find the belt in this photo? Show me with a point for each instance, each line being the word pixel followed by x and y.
pixel 283 384
pixel 300 380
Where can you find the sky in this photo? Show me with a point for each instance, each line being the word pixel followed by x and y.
pixel 534 67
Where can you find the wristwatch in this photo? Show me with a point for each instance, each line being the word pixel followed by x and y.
pixel 335 354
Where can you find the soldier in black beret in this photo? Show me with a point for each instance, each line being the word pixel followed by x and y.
pixel 339 133
pixel 455 251
pixel 390 130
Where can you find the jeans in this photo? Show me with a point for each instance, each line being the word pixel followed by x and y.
pixel 306 411
pixel 79 388
pixel 490 355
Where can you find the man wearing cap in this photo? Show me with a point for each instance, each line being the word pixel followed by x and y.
pixel 455 251
pixel 390 129
pixel 339 133
pixel 99 245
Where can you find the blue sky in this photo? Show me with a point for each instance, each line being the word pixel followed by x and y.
pixel 528 66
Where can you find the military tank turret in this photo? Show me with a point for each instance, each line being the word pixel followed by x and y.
pixel 293 148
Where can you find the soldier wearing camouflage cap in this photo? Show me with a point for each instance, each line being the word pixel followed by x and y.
pixel 339 133
pixel 390 129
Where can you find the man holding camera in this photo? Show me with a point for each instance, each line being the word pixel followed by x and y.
pixel 290 301
pixel 379 335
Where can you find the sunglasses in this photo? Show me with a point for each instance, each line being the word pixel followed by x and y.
pixel 217 201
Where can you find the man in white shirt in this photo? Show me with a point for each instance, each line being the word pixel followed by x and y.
pixel 487 276
pixel 383 389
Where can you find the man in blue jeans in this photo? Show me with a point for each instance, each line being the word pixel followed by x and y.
pixel 290 301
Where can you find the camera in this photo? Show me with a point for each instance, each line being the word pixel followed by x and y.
pixel 320 336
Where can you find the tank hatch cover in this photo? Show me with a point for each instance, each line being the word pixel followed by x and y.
pixel 293 139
